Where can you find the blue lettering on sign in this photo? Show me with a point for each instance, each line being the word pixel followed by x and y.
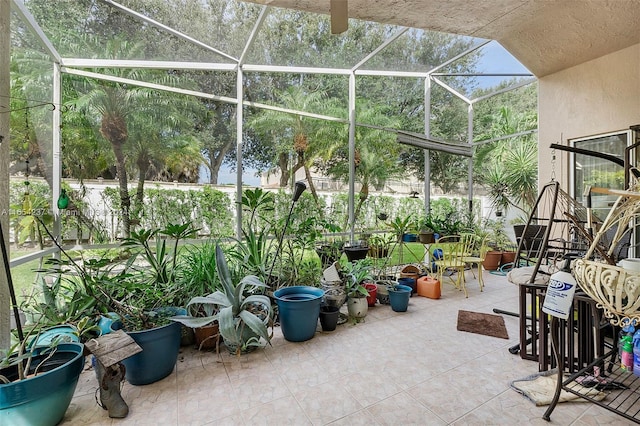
pixel 559 285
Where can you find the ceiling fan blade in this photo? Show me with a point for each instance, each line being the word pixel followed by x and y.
pixel 339 16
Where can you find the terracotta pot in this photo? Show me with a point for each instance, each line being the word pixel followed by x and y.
pixel 207 337
pixel 507 257
pixel 492 260
pixel 410 271
pixel 378 252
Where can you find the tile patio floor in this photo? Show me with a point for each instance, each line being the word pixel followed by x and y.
pixel 392 369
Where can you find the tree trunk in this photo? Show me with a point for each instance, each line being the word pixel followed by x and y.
pixel 143 168
pixel 312 187
pixel 283 165
pixel 125 200
pixel 215 162
pixel 364 194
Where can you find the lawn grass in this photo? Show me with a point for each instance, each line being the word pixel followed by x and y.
pixel 23 276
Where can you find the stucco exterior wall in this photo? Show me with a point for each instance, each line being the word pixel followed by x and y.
pixel 596 97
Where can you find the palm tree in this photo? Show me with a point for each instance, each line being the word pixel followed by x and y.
pixel 509 167
pixel 163 149
pixel 377 153
pixel 299 131
pixel 115 104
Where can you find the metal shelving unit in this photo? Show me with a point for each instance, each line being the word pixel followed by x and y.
pixel 624 402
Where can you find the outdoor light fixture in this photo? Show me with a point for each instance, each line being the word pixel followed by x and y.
pixel 421 141
pixel 299 189
pixel 297 192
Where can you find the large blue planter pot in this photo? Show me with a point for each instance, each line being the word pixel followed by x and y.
pixel 42 400
pixel 160 347
pixel 299 309
pixel 399 298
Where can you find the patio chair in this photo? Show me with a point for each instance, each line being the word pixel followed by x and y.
pixel 474 250
pixel 447 256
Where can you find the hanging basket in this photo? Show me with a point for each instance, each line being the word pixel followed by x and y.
pixel 615 289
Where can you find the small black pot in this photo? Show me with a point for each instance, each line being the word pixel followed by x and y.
pixel 329 316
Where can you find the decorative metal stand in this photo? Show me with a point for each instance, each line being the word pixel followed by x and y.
pixel 617 292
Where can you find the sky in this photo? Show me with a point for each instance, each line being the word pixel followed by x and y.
pixel 495 59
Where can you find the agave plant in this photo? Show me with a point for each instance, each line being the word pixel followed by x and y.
pixel 242 315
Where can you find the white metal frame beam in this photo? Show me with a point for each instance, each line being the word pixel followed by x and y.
pixel 238 65
pixel 169 29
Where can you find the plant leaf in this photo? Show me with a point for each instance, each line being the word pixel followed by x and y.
pixel 194 322
pixel 255 324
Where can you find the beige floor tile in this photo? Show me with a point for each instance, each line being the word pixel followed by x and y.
pixel 597 416
pixel 283 411
pixel 359 418
pixel 393 368
pixel 369 386
pixel 207 402
pixel 259 388
pixel 83 410
pixel 326 402
pixel 402 409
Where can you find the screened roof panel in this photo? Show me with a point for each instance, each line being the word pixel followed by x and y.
pixel 394 102
pixel 89 29
pixel 314 94
pixel 295 38
pixel 420 51
pixel 222 24
pixel 493 67
pixel 23 39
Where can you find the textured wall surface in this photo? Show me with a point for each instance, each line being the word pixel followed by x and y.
pixel 596 97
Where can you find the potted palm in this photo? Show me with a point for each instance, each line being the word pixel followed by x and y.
pixel 498 241
pixel 243 315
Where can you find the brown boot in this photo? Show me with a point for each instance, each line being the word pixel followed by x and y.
pixel 109 379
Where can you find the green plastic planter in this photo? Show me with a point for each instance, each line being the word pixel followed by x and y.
pixel 42 400
pixel 299 310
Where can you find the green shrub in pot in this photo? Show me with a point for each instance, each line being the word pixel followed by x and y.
pixel 243 315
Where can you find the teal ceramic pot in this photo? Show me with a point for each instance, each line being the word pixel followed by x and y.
pixel 160 347
pixel 399 298
pixel 42 400
pixel 62 333
pixel 299 310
